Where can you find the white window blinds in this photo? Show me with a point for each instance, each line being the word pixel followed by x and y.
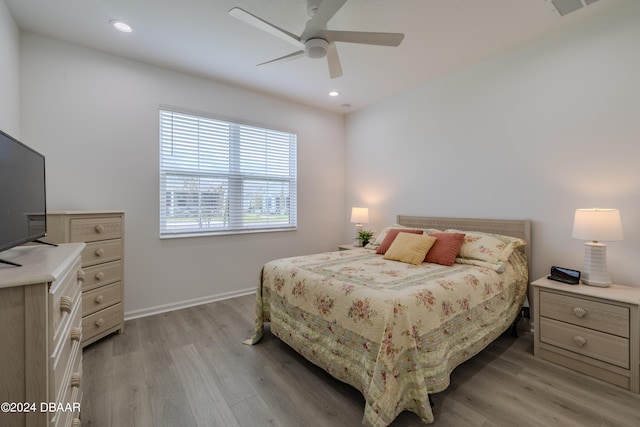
pixel 218 177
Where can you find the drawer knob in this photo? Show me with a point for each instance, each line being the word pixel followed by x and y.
pixel 99 299
pixel 99 275
pixel 99 229
pixel 75 334
pixel 65 304
pixel 75 379
pixel 81 276
pixel 579 312
pixel 99 252
pixel 580 341
pixel 99 322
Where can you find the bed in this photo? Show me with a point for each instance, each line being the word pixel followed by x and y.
pixel 396 330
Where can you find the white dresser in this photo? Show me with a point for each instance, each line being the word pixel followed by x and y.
pixel 103 263
pixel 589 329
pixel 41 353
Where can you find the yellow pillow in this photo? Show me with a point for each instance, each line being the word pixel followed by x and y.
pixel 410 248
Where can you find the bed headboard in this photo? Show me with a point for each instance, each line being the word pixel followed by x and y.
pixel 509 227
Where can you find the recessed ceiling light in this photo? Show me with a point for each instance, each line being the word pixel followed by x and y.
pixel 334 93
pixel 121 26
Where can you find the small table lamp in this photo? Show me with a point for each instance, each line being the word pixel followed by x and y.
pixel 596 225
pixel 359 216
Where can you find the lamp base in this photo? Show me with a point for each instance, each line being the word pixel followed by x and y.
pixel 594 271
pixel 594 283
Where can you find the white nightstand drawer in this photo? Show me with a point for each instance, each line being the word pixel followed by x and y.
pixel 600 316
pixel 605 347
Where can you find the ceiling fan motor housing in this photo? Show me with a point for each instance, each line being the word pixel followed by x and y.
pixel 316 48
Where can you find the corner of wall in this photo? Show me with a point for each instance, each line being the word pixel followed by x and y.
pixel 9 72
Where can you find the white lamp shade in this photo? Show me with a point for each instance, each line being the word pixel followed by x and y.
pixel 597 225
pixel 360 215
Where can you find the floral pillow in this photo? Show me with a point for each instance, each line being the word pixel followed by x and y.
pixel 486 249
pixel 379 237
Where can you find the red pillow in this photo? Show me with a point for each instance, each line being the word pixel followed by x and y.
pixel 445 250
pixel 391 236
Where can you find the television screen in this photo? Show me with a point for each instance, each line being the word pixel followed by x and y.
pixel 23 213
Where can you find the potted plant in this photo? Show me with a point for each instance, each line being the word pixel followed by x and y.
pixel 365 236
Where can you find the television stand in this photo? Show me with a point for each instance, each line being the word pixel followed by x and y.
pixel 4 261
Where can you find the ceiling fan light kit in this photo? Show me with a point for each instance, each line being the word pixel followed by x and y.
pixel 316 48
pixel 316 41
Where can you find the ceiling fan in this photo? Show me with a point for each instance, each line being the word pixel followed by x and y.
pixel 316 41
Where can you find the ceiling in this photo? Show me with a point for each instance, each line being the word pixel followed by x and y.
pixel 199 37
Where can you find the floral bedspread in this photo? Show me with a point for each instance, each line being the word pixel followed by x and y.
pixel 394 331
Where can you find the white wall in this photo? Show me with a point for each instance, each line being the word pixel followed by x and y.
pixel 534 133
pixel 95 117
pixel 9 73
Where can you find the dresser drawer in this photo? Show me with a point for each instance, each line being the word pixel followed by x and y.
pixel 600 316
pixel 102 320
pixel 597 345
pixel 70 397
pixel 65 354
pixel 102 274
pixel 103 251
pixel 100 298
pixel 64 295
pixel 94 229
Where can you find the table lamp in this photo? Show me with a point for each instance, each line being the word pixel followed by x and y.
pixel 596 225
pixel 359 216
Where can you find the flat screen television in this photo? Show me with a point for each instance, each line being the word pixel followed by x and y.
pixel 23 211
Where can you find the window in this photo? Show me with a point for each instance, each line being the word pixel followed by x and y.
pixel 218 177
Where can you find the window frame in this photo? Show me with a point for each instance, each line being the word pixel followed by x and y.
pixel 235 189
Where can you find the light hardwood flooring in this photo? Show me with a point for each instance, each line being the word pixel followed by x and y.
pixel 189 368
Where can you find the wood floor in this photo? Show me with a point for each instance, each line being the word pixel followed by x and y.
pixel 189 368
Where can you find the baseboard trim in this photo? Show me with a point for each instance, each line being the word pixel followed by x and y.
pixel 130 315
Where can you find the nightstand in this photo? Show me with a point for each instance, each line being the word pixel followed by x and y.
pixel 347 247
pixel 589 329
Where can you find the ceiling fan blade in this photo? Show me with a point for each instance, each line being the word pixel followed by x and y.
pixel 364 37
pixel 263 25
pixel 285 58
pixel 318 22
pixel 335 69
